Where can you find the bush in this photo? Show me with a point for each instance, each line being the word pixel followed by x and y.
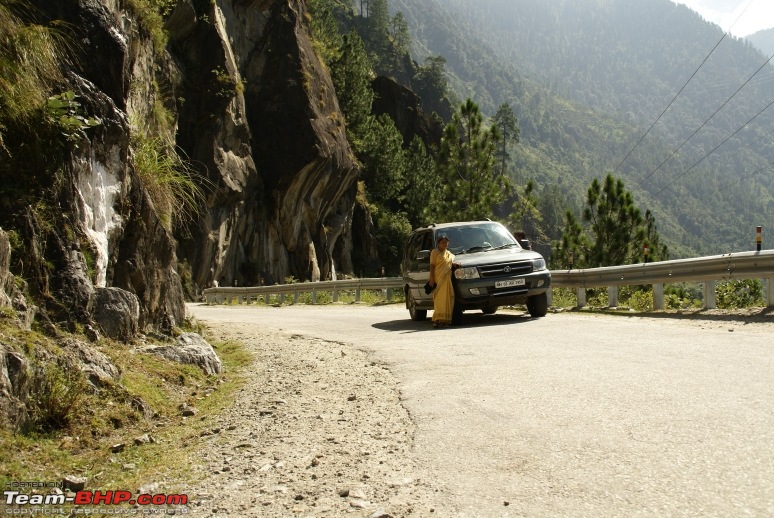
pixel 564 298
pixel 739 294
pixel 55 397
pixel 168 178
pixel 641 300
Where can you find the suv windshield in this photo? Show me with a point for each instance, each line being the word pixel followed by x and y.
pixel 478 237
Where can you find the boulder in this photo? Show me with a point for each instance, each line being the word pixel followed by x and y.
pixel 14 381
pixel 10 295
pixel 191 349
pixel 117 312
pixel 6 279
pixel 95 365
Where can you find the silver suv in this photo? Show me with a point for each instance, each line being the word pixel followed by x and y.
pixel 496 270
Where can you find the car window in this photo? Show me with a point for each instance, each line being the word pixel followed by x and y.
pixel 481 236
pixel 427 241
pixel 413 247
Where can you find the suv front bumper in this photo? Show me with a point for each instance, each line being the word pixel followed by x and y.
pixel 482 293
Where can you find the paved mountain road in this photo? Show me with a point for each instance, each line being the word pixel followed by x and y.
pixel 572 414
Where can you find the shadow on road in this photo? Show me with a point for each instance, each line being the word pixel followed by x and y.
pixel 716 315
pixel 469 320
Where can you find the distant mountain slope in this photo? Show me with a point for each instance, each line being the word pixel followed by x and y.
pixel 588 78
pixel 763 41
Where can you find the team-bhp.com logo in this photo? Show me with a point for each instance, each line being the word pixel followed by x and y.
pixel 84 502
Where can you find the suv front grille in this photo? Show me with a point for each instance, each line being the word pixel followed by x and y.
pixel 506 270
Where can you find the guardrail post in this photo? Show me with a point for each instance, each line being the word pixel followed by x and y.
pixel 709 295
pixel 314 296
pixel 612 296
pixel 389 294
pixel 581 294
pixel 335 295
pixel 658 296
pixel 282 299
pixel 357 294
pixel 770 292
pixel 296 294
pixel 550 296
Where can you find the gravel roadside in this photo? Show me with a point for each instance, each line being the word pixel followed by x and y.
pixel 318 430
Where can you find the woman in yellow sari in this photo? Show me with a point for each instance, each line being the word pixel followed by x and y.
pixel 441 264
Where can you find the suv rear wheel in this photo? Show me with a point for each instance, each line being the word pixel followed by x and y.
pixel 417 315
pixel 537 305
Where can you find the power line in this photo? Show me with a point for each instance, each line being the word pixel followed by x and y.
pixel 683 88
pixel 670 104
pixel 706 121
pixel 714 149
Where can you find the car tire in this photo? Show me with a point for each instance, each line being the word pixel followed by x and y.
pixel 537 305
pixel 417 315
pixel 489 311
pixel 457 314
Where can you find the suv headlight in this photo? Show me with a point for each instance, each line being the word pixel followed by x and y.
pixel 466 273
pixel 538 264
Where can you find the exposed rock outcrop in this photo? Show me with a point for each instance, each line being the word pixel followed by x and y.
pixel 117 312
pixel 405 108
pixel 190 349
pixel 14 380
pixel 11 297
pixel 109 233
pixel 95 365
pixel 268 131
pixel 6 277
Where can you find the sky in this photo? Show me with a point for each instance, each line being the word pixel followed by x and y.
pixel 759 15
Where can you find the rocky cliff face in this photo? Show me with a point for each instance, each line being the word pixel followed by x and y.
pixel 255 113
pixel 108 232
pixel 261 117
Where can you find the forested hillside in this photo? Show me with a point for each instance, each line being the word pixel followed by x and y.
pixel 588 79
pixel 763 41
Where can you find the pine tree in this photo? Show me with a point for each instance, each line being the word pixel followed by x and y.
pixel 470 187
pixel 384 160
pixel 614 233
pixel 421 180
pixel 351 74
pixel 379 16
pixel 506 122
pixel 400 33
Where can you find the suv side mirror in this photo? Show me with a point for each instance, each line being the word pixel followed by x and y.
pixel 423 255
pixel 525 244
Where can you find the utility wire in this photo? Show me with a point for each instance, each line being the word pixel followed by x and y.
pixel 706 121
pixel 670 104
pixel 714 149
pixel 754 173
pixel 681 89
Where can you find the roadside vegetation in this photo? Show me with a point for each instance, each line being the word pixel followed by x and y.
pixel 729 295
pixel 76 425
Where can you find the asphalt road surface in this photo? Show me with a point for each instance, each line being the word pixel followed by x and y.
pixel 572 414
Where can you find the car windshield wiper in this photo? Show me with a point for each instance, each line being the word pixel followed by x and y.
pixel 476 249
pixel 506 246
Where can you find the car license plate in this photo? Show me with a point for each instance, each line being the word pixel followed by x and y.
pixel 510 283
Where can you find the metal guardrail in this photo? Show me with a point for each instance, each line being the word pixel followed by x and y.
pixel 708 270
pixel 742 265
pixel 247 295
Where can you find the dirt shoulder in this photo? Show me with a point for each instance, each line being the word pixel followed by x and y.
pixel 318 430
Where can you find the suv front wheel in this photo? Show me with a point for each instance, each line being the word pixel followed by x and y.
pixel 537 305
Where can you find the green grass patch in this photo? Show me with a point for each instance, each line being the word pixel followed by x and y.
pixel 112 416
